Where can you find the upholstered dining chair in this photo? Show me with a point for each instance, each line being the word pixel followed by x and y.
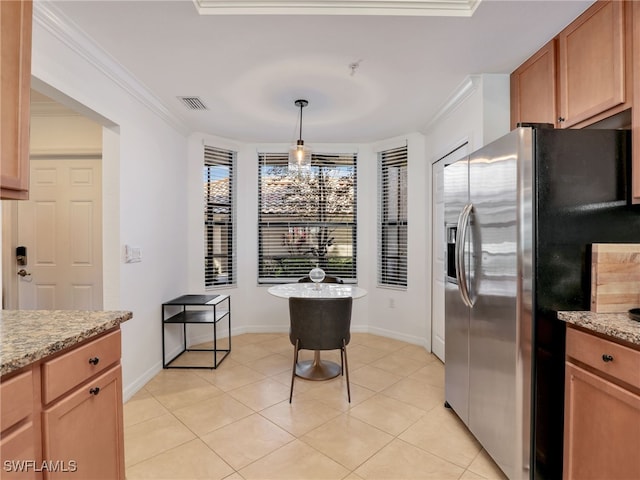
pixel 320 324
pixel 327 279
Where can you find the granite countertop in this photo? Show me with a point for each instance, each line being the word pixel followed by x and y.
pixel 27 336
pixel 616 325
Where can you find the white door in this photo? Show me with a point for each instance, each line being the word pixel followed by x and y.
pixel 438 245
pixel 61 227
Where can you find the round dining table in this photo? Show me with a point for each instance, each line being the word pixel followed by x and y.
pixel 317 369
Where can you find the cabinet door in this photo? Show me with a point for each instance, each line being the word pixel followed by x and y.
pixel 635 122
pixel 592 63
pixel 15 84
pixel 18 454
pixel 84 430
pixel 602 428
pixel 533 88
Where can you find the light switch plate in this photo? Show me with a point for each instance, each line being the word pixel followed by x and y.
pixel 132 254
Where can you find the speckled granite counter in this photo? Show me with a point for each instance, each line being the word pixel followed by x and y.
pixel 615 325
pixel 27 336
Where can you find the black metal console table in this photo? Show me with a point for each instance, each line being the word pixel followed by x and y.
pixel 195 310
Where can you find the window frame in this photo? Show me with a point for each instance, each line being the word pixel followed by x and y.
pixel 221 158
pixel 288 267
pixel 392 270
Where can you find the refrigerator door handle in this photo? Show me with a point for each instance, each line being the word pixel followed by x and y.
pixel 463 223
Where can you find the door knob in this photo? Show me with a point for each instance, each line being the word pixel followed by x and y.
pixel 23 273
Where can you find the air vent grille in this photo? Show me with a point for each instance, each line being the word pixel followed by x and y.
pixel 193 103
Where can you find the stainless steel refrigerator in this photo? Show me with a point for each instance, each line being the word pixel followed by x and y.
pixel 520 216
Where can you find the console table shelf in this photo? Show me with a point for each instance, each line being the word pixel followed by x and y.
pixel 199 310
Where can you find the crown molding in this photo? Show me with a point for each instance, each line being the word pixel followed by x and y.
pixel 49 17
pixel 464 91
pixel 452 8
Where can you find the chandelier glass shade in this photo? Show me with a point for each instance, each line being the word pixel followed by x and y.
pixel 299 154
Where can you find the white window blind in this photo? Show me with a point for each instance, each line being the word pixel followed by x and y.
pixel 392 217
pixel 306 220
pixel 219 217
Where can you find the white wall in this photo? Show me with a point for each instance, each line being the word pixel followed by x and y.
pixel 64 134
pixel 477 112
pixel 153 194
pixel 395 313
pixel 145 202
pixel 254 310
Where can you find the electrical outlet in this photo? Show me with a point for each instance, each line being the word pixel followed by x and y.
pixel 392 303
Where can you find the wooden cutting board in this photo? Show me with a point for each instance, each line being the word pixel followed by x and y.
pixel 615 277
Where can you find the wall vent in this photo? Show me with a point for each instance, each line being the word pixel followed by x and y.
pixel 193 103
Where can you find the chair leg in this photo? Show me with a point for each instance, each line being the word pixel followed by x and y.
pixel 346 367
pixel 293 372
pixel 341 362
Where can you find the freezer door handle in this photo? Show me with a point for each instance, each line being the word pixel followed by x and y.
pixel 463 285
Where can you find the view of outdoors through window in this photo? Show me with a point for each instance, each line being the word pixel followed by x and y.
pixel 307 220
pixel 392 214
pixel 219 217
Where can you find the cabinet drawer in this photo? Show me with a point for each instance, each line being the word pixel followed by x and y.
pixel 16 399
pixel 66 371
pixel 605 356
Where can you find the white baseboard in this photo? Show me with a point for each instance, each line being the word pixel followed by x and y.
pixel 131 389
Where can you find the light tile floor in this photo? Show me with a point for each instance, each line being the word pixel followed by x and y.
pixel 236 422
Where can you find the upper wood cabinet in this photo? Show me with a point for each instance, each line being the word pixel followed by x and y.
pixel 581 76
pixel 590 71
pixel 15 84
pixel 635 121
pixel 533 88
pixel 592 67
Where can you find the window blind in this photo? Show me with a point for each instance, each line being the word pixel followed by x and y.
pixel 219 217
pixel 392 217
pixel 306 220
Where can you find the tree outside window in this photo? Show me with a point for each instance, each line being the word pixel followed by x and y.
pixel 307 220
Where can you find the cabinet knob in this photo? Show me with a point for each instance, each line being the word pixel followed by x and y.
pixel 607 358
pixel 94 390
pixel 560 119
pixel 94 360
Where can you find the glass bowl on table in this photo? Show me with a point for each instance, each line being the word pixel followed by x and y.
pixel 317 276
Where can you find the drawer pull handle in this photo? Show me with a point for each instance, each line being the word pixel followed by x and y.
pixel 607 358
pixel 94 360
pixel 94 390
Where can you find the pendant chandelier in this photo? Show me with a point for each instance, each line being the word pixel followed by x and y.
pixel 299 155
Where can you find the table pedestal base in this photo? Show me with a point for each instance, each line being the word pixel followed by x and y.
pixel 317 369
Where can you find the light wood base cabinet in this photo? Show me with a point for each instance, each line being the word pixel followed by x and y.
pixel 84 429
pixel 62 417
pixel 18 451
pixel 602 410
pixel 20 446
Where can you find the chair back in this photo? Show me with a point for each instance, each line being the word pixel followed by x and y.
pixel 320 323
pixel 327 279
